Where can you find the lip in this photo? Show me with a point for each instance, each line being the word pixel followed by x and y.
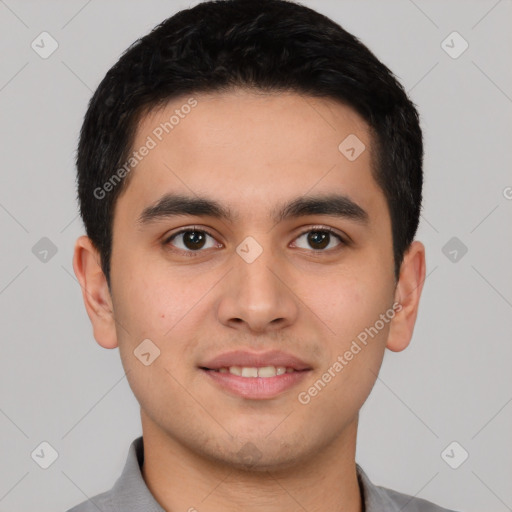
pixel 255 359
pixel 256 388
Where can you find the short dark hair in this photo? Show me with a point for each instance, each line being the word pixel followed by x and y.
pixel 264 45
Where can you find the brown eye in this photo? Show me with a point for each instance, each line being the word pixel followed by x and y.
pixel 193 240
pixel 319 239
pixel 190 240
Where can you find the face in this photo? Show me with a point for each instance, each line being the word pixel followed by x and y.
pixel 309 280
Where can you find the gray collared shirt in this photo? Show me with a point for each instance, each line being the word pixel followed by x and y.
pixel 130 493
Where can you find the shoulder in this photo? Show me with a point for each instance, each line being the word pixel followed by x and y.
pixel 101 502
pixel 411 503
pixel 380 499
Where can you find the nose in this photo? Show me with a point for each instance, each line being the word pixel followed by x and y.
pixel 258 296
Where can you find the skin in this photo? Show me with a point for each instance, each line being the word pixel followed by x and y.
pixel 251 152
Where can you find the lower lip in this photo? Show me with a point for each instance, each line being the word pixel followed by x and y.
pixel 257 388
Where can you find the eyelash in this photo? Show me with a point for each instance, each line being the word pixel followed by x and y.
pixel 192 254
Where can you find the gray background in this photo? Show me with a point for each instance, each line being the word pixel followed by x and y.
pixel 452 384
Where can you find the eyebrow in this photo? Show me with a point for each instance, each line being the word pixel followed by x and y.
pixel 172 205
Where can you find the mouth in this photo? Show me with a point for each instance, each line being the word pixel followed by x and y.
pixel 264 372
pixel 257 383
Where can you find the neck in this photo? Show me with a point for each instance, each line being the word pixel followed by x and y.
pixel 184 480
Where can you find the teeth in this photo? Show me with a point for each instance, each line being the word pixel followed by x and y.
pixel 249 372
pixel 267 371
pixel 264 371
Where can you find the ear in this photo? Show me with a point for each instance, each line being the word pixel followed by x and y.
pixel 407 294
pixel 95 292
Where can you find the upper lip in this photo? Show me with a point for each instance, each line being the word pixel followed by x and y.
pixel 255 359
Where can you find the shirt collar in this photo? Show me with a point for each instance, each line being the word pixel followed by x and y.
pixel 131 494
pixel 375 499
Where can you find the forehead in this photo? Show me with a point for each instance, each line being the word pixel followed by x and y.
pixel 251 148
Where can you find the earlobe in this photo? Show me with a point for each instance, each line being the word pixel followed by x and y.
pixel 95 292
pixel 407 294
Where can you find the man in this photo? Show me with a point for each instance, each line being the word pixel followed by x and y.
pixel 250 180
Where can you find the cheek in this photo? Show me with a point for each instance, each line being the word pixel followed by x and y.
pixel 151 309
pixel 345 303
pixel 153 303
pixel 352 310
pixel 164 309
